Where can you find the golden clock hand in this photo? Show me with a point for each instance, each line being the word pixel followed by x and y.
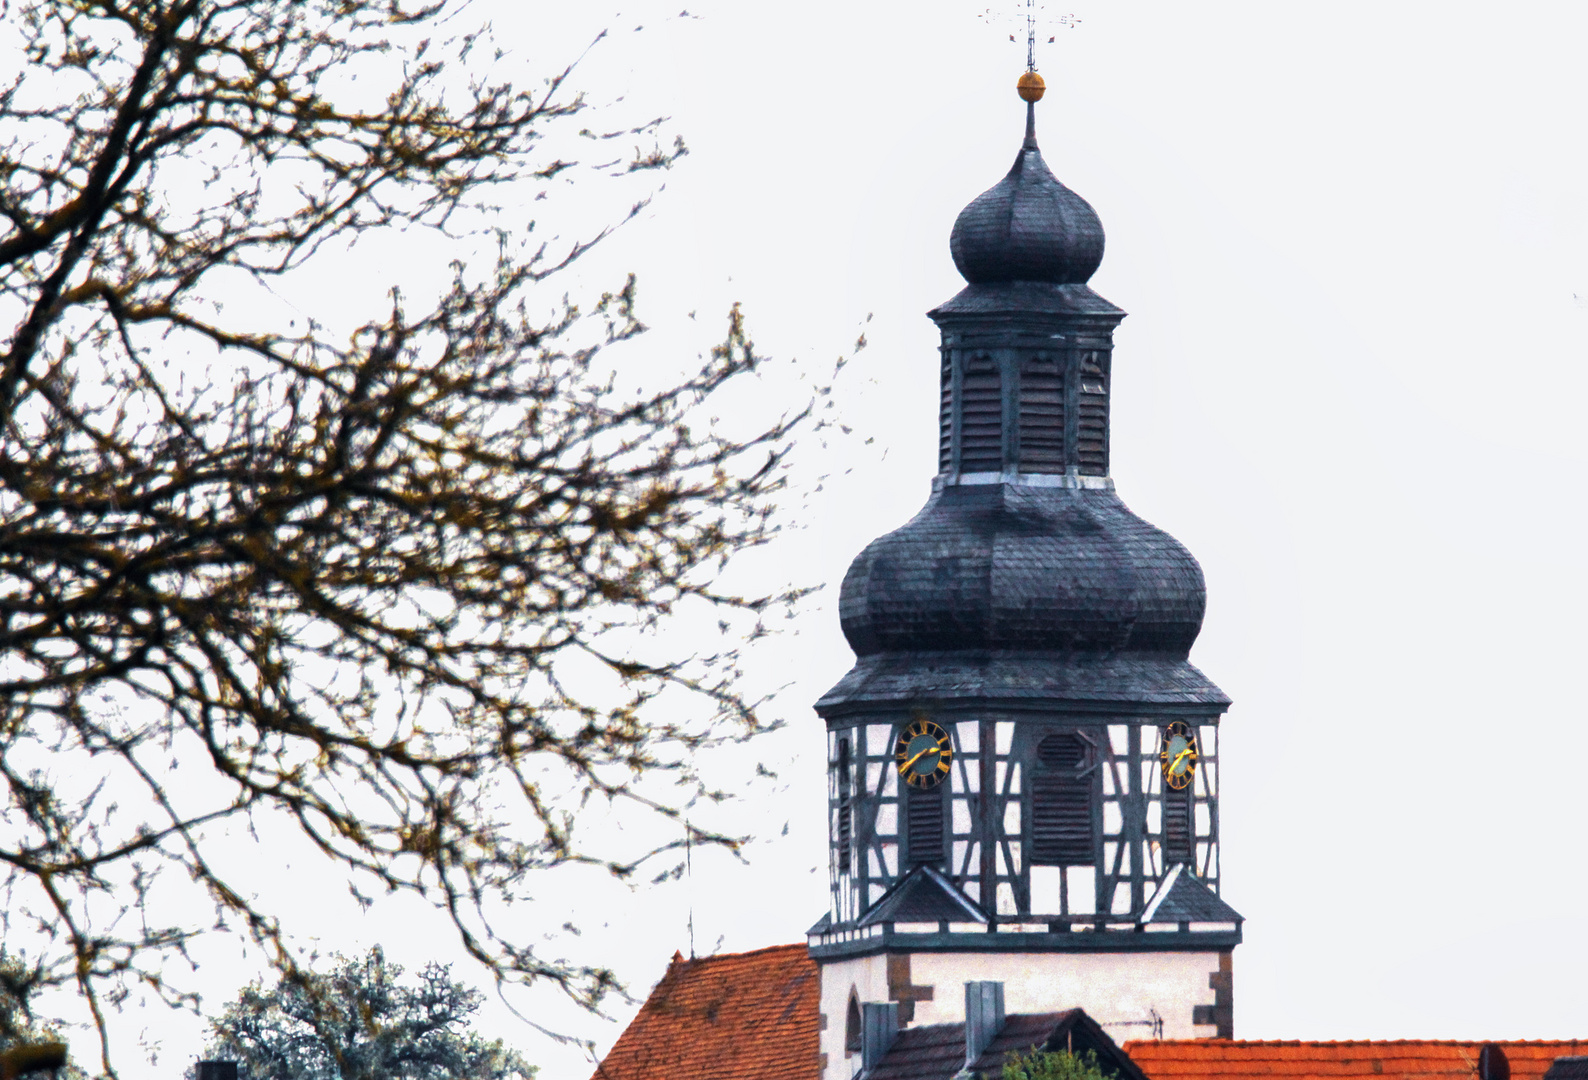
pixel 905 767
pixel 1175 764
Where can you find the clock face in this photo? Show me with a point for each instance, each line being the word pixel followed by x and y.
pixel 923 753
pixel 1178 753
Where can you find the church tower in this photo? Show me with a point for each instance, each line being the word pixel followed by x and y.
pixel 1023 764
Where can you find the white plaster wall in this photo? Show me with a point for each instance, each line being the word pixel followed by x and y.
pixel 1111 987
pixel 869 977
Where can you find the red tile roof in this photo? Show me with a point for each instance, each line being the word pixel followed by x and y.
pixel 1399 1059
pixel 742 1016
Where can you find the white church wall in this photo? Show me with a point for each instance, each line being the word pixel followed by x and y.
pixel 1115 988
pixel 1123 991
pixel 867 976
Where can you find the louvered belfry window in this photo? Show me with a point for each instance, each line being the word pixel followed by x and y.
pixel 924 823
pixel 1177 834
pixel 981 425
pixel 845 813
pixel 1091 426
pixel 945 416
pixel 1042 415
pixel 1061 803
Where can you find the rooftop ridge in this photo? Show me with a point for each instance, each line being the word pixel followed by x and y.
pixel 1144 1043
pixel 679 958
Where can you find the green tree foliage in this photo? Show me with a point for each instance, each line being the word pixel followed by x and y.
pixel 357 1022
pixel 1054 1065
pixel 401 589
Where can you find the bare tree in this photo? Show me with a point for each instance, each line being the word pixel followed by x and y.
pixel 402 589
pixel 25 1046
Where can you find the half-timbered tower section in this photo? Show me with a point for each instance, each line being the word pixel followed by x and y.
pixel 1023 763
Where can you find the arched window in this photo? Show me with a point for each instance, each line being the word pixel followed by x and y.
pixel 852 1024
pixel 1061 803
pixel 845 812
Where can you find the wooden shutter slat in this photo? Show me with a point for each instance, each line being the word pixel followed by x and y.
pixel 924 816
pixel 1061 804
pixel 1042 417
pixel 1177 838
pixel 845 812
pixel 981 418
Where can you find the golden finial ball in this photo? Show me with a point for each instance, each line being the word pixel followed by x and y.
pixel 1030 86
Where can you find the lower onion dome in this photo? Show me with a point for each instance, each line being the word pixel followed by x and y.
pixel 1017 567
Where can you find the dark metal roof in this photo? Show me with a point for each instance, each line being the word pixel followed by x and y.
pixel 1034 591
pixel 1568 1068
pixel 1188 899
pixel 923 895
pixel 1027 942
pixel 1028 298
pixel 1027 227
pixel 1023 678
pixel 937 1052
pixel 1024 567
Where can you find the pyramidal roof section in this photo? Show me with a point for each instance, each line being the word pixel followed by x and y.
pixel 924 895
pixel 1182 897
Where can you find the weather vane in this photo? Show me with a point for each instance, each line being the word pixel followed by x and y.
pixel 1036 19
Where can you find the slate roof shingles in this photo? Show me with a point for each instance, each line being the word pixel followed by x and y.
pixel 1007 675
pixel 1001 566
pixel 1189 900
pixel 937 1052
pixel 1027 227
pixel 923 895
pixel 1569 1068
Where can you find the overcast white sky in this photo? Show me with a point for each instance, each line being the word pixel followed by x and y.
pixel 1353 242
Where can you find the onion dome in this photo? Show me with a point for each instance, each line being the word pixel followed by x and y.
pixel 1025 577
pixel 1024 568
pixel 1028 226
